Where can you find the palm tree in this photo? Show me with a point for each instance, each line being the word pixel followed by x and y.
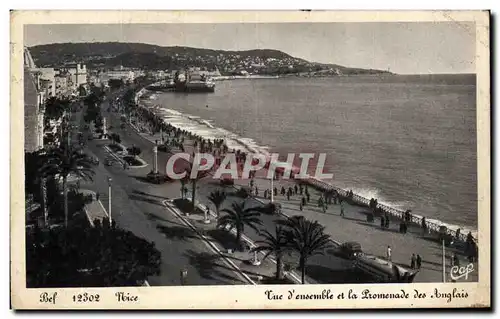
pixel 276 244
pixel 217 198
pixel 238 217
pixel 307 238
pixel 63 163
pixel 193 181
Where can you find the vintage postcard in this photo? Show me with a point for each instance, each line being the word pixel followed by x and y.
pixel 250 160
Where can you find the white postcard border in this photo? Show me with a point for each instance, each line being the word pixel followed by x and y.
pixel 249 297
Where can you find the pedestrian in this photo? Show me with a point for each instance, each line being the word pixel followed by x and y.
pixel 413 261
pixel 296 189
pixel 283 191
pixel 301 189
pixel 342 209
pixel 308 197
pixel 382 221
pixel 387 221
pixel 288 195
pixel 251 183
pixel 303 201
pixel 424 226
pixel 275 191
pixel 389 253
pixel 301 206
pixel 265 193
pixel 419 261
pixel 456 261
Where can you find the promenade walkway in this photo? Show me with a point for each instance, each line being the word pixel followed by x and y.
pixel 353 227
pixel 373 239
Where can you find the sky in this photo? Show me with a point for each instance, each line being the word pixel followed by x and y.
pixel 405 48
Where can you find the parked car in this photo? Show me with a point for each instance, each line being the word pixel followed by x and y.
pixel 94 160
pixel 350 250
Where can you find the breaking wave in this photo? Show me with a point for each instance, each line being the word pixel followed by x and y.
pixel 206 129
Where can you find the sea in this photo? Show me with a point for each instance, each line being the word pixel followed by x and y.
pixel 407 140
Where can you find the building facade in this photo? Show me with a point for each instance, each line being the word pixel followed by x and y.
pixel 47 78
pixel 63 85
pixel 34 101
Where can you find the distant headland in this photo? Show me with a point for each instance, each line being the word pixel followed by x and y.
pixel 153 57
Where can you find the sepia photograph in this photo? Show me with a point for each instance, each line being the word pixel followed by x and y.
pixel 310 156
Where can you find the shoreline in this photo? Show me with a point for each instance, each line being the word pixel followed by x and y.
pixel 432 225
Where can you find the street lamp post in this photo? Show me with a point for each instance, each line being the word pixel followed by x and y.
pixel 272 187
pixel 444 260
pixel 109 200
pixel 104 128
pixel 44 201
pixel 207 217
pixel 155 162
pixel 255 261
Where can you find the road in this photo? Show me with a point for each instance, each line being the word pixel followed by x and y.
pixel 325 268
pixel 146 217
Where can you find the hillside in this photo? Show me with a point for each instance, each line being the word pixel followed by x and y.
pixel 147 56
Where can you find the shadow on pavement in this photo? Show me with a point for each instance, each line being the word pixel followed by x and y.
pixel 138 192
pixel 223 237
pixel 362 221
pixel 145 199
pixel 143 179
pixel 208 268
pixel 376 226
pixel 177 232
pixel 154 217
pixel 328 275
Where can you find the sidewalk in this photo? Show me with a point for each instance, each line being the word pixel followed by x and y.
pixel 95 209
pixel 223 240
pixel 373 239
